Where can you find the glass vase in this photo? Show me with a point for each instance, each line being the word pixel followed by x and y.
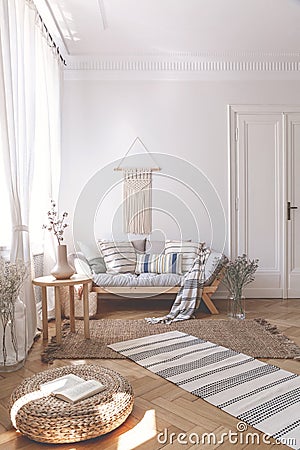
pixel 236 307
pixel 13 343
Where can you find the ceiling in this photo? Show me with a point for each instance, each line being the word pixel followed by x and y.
pixel 96 28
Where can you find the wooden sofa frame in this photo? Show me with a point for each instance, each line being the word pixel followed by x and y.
pixel 207 292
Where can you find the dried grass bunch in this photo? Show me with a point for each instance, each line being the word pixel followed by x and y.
pixel 239 273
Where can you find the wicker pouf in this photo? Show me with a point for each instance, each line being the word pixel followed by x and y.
pixel 45 418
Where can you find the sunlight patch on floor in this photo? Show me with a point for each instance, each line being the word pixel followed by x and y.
pixel 79 362
pixel 141 433
pixel 26 398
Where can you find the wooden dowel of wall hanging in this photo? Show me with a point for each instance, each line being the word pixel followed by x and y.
pixel 153 169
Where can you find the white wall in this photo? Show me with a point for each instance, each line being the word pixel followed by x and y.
pixel 184 119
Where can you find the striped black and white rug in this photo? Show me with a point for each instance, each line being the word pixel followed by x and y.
pixel 259 394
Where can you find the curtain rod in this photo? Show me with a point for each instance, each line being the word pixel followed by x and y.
pixel 51 39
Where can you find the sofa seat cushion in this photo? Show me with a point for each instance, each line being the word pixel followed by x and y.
pixel 162 279
pixel 131 280
pixel 117 280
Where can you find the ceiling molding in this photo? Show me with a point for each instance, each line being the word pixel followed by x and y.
pixel 248 55
pixel 245 62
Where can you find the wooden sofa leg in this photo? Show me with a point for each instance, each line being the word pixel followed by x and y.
pixel 209 303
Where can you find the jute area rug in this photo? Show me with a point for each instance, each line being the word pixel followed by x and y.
pixel 255 338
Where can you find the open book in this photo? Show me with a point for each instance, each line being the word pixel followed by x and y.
pixel 72 388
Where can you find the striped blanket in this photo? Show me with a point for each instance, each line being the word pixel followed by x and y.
pixel 258 394
pixel 190 293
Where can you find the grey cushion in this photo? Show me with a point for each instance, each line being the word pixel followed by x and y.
pixel 98 265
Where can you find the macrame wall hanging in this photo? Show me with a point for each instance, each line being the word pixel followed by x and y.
pixel 137 191
pixel 137 201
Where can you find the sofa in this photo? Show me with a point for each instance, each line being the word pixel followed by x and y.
pixel 142 268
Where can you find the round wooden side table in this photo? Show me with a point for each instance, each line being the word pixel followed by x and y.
pixel 50 281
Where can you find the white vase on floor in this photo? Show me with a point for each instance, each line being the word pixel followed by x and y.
pixel 13 336
pixel 62 269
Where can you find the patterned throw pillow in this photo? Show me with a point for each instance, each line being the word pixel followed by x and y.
pixel 155 263
pixel 189 251
pixel 119 257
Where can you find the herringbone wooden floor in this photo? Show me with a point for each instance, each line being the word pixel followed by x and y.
pixel 159 405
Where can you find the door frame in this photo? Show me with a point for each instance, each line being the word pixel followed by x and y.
pixel 233 111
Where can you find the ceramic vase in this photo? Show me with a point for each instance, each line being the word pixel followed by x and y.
pixel 62 269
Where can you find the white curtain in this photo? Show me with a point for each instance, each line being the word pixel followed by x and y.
pixel 21 66
pixel 48 150
pixel 17 125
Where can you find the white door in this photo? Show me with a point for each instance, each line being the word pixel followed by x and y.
pixel 293 204
pixel 257 202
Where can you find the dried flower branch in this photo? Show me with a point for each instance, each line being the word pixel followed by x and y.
pixel 56 224
pixel 239 273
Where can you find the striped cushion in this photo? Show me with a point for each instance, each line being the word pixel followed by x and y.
pixel 119 257
pixel 155 263
pixel 189 251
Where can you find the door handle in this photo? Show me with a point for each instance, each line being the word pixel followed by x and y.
pixel 289 207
